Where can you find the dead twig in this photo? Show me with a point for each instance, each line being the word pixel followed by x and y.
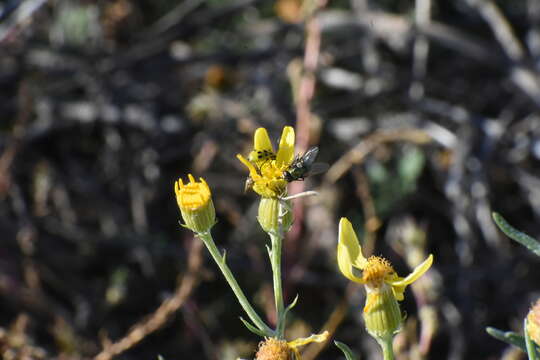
pixel 357 154
pixel 420 49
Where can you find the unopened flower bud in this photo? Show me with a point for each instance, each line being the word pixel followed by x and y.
pixel 195 203
pixel 270 211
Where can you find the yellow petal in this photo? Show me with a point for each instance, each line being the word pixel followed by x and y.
pixel 304 341
pixel 261 140
pixel 349 252
pixel 399 285
pixel 252 170
pixel 285 152
pixel 417 272
pixel 359 261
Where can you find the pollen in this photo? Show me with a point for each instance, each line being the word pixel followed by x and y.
pixel 273 349
pixel 376 270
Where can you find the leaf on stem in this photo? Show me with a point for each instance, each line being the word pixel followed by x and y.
pixel 516 235
pixel 283 316
pixel 349 354
pixel 255 330
pixel 508 337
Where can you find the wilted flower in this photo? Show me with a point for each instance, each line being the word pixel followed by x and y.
pixel 275 349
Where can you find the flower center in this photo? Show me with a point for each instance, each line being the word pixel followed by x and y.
pixel 376 270
pixel 273 349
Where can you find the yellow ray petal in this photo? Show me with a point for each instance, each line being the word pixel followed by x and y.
pixel 416 273
pixel 252 170
pixel 346 231
pixel 399 285
pixel 349 252
pixel 261 140
pixel 285 152
pixel 304 341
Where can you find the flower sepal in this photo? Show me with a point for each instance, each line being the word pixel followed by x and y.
pixel 382 315
pixel 275 215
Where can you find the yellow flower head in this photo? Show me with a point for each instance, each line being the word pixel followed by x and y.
pixel 383 285
pixel 376 271
pixel 533 322
pixel 195 203
pixel 274 349
pixel 265 166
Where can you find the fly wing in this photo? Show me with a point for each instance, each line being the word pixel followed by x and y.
pixel 310 156
pixel 318 168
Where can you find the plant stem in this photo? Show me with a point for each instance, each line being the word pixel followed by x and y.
pixel 276 238
pixel 275 260
pixel 386 346
pixel 531 347
pixel 220 261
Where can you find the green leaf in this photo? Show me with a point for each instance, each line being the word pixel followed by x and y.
pixel 254 330
pixel 282 320
pixel 349 355
pixel 508 337
pixel 532 352
pixel 410 166
pixel 516 235
pixel 159 357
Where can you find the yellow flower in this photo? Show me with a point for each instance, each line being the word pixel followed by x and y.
pixel 274 349
pixel 265 166
pixel 383 285
pixel 533 322
pixel 195 203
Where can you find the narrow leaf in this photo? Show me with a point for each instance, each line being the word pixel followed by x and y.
pixel 349 354
pixel 516 235
pixel 254 330
pixel 508 337
pixel 283 316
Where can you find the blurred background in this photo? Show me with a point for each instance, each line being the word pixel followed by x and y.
pixel 426 112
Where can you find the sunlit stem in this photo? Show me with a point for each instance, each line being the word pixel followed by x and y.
pixel 206 237
pixel 275 260
pixel 300 195
pixel 531 348
pixel 386 346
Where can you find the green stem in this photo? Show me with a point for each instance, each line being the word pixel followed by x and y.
pixel 275 260
pixel 386 346
pixel 531 348
pixel 220 261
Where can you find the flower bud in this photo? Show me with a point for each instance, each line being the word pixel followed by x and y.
pixel 381 313
pixel 195 203
pixel 269 215
pixel 533 323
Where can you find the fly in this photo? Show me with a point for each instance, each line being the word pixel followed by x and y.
pixel 304 166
